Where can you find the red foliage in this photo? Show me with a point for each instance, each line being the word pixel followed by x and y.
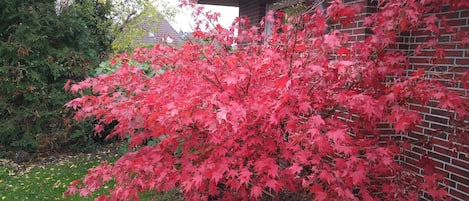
pixel 276 113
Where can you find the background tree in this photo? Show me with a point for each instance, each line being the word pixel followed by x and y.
pixel 40 48
pixel 127 18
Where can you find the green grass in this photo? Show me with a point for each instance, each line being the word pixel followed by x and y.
pixel 49 182
pixel 45 182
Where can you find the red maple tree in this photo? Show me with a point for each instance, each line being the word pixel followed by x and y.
pixel 296 110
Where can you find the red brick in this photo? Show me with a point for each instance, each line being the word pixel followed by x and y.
pixel 451 183
pixel 439 170
pixel 411 154
pixel 444 151
pixel 465 13
pixel 439 112
pixel 442 76
pixel 459 69
pixel 462 61
pixel 403 46
pixel 429 53
pixel 425 124
pixel 439 156
pixel 422 39
pixel 463 156
pixel 463 188
pixel 383 125
pixel 419 60
pixel 456 22
pixel 463 164
pixel 463 28
pixel 453 169
pixel 432 103
pixel 411 161
pixel 444 39
pixel 410 167
pixel 349 26
pixel 360 38
pixel 417 136
pixel 358 31
pixel 454 53
pixel 417 130
pixel 436 119
pixel 420 108
pixel 444 61
pixel 448 15
pixel 460 179
pixel 420 32
pixel 440 142
pixel 419 150
pixel 458 194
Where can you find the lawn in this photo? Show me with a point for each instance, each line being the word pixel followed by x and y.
pixel 48 181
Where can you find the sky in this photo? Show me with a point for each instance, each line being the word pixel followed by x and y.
pixel 184 22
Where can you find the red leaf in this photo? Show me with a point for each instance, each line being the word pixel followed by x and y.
pixel 244 176
pixel 273 184
pixel 216 176
pixel 300 47
pixel 320 196
pixel 337 135
pixel 282 82
pixel 358 177
pixel 256 191
pixel 295 169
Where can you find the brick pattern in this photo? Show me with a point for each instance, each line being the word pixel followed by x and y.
pixel 436 122
pixel 356 30
pixel 431 137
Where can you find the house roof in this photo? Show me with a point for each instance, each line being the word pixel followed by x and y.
pixel 158 30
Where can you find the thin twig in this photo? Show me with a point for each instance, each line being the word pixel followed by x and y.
pixel 213 82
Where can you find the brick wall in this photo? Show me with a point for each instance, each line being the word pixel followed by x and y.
pixel 436 122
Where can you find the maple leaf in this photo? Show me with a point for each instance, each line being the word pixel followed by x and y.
pixel 85 192
pixel 244 176
pixel 358 177
pixel 75 103
pixel 273 184
pixel 282 82
pixel 320 196
pixel 338 135
pixel 256 191
pixel 98 128
pixel 295 169
pixel 221 115
pixel 272 171
pixel 326 176
pixel 217 176
pixel 332 39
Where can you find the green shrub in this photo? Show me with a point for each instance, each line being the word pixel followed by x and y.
pixel 40 49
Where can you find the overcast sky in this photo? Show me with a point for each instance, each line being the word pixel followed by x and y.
pixel 184 22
